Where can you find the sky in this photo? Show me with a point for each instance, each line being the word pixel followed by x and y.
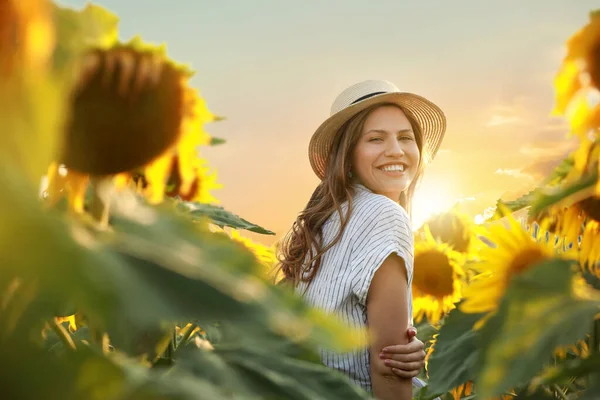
pixel 273 68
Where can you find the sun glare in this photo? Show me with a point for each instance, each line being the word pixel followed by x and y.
pixel 432 197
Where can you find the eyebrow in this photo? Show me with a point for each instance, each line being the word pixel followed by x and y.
pixel 407 130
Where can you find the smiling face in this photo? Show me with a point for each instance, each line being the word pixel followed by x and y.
pixel 386 156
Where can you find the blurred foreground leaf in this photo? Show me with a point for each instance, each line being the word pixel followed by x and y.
pixel 260 372
pixel 538 314
pixel 455 353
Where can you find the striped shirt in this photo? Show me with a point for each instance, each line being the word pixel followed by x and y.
pixel 376 228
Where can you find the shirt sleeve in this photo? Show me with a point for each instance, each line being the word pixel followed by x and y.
pixel 385 231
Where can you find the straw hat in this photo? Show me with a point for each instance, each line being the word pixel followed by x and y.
pixel 363 95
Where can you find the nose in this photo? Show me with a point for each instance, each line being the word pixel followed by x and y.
pixel 394 149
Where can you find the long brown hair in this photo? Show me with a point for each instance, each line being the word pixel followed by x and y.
pixel 301 250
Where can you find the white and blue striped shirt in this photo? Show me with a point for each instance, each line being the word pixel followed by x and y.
pixel 376 228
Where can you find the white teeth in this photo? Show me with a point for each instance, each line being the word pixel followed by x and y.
pixel 390 168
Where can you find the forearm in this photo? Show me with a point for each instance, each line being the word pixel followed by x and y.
pixel 390 386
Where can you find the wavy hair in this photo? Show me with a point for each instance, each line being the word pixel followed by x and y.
pixel 300 252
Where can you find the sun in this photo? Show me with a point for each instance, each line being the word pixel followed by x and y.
pixel 430 198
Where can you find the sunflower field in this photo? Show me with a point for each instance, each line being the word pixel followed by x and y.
pixel 510 308
pixel 122 279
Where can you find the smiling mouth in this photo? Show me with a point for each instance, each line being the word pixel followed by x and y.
pixel 393 168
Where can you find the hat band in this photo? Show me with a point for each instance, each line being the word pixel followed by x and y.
pixel 366 97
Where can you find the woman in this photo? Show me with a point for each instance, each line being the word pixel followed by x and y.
pixel 350 251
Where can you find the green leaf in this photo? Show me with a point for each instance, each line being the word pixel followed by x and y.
pixel 454 358
pixel 89 374
pixel 538 314
pixel 215 141
pixel 516 205
pixel 426 332
pixel 563 372
pixel 277 376
pixel 525 394
pixel 564 194
pixel 204 276
pixel 593 391
pixel 222 218
pixel 560 172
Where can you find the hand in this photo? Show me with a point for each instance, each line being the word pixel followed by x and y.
pixel 405 360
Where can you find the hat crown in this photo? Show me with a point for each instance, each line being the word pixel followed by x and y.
pixel 359 91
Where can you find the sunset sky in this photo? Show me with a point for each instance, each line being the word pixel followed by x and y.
pixel 274 67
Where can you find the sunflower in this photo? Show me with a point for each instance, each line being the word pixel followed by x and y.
pixel 451 227
pixel 436 285
pixel 155 121
pixel 565 223
pixel 127 108
pixel 579 76
pixel 465 388
pixel 514 251
pixel 580 349
pixel 589 249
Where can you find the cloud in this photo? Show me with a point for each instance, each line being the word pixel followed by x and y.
pixel 517 173
pixel 486 214
pixel 468 198
pixel 499 120
pixel 555 125
pixel 512 112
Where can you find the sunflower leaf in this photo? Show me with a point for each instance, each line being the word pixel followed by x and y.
pixel 515 205
pixel 538 314
pixel 564 372
pixel 264 373
pixel 560 172
pixel 221 217
pixel 568 193
pixel 593 391
pixel 455 353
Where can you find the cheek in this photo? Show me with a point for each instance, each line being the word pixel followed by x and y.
pixel 360 158
pixel 415 154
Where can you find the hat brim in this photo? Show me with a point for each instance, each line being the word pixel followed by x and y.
pixel 429 116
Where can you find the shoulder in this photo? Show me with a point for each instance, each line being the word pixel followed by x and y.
pixel 370 210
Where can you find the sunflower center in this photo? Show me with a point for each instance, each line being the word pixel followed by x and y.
pixel 524 260
pixel 433 274
pixel 591 207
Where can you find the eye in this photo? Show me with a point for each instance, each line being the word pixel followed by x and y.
pixel 375 139
pixel 405 137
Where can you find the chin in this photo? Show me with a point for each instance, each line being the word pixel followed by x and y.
pixel 395 188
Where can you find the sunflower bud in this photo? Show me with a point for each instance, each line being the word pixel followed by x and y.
pixel 127 110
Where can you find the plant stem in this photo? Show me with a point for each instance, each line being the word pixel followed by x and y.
pixel 98 208
pixel 62 334
pixel 561 394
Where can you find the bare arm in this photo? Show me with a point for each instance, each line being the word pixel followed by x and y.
pixel 387 312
